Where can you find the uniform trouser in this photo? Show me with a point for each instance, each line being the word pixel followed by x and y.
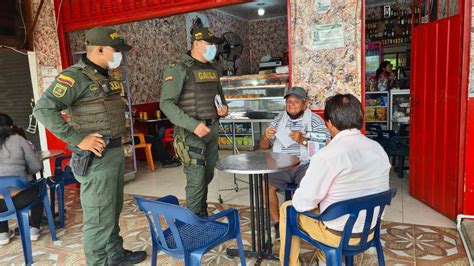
pixel 198 176
pixel 102 200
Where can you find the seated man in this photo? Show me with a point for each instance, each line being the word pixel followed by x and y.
pixel 350 166
pixel 159 152
pixel 297 119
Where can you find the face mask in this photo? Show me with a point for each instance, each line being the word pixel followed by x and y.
pixel 210 53
pixel 298 115
pixel 116 59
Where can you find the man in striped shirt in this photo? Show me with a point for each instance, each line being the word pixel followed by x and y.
pixel 297 120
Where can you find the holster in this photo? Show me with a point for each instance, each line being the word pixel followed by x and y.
pixel 80 161
pixel 182 150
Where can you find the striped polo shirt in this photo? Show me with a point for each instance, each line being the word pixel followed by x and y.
pixel 317 125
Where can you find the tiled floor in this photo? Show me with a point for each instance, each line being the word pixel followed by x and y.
pixel 404 244
pixel 164 181
pixel 412 233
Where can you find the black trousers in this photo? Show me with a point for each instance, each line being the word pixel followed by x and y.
pixel 21 200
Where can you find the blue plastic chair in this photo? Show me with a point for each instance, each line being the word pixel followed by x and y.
pixel 22 216
pixel 187 236
pixel 290 190
pixel 62 177
pixel 352 207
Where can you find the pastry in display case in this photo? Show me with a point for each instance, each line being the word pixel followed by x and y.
pixel 255 96
pixel 252 100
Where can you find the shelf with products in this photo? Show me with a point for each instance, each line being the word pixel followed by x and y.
pixel 390 28
pixel 244 134
pixel 376 107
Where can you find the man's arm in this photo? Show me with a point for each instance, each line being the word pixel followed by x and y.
pixel 314 186
pixel 174 77
pixel 266 140
pixel 59 96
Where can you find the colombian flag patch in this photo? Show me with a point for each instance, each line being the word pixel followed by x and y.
pixel 66 80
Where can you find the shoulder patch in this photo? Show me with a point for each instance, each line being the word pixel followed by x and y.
pixel 168 78
pixel 66 80
pixel 59 90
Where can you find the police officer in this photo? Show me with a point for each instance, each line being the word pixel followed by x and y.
pixel 188 99
pixel 96 123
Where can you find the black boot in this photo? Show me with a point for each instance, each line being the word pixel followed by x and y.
pixel 128 258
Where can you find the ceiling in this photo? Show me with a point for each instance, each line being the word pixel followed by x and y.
pixel 248 11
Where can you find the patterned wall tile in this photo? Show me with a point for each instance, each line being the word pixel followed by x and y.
pixel 267 37
pixel 326 72
pixel 158 43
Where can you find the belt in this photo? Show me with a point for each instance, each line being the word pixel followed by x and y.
pixel 114 143
pixel 353 235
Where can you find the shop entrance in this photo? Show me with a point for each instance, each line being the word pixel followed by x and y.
pixel 420 98
pixel 436 99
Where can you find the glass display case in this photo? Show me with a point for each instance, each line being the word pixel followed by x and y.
pixel 400 108
pixel 252 100
pixel 255 96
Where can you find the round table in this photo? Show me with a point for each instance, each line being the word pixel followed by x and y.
pixel 44 155
pixel 258 165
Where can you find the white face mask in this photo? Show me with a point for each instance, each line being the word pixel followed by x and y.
pixel 116 60
pixel 210 53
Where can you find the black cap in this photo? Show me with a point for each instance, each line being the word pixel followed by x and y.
pixel 204 34
pixel 298 92
pixel 105 36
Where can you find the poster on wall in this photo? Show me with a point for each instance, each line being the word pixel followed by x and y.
pixel 194 20
pixel 328 36
pixel 323 6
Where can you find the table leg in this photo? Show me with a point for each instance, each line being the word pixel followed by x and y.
pixel 267 216
pixel 252 212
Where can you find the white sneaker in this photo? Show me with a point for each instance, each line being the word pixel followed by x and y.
pixel 5 237
pixel 35 233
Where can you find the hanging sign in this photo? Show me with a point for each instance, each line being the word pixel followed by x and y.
pixel 328 36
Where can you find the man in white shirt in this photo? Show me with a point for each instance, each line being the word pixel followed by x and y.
pixel 296 121
pixel 350 166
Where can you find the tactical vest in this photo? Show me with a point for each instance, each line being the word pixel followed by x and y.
pixel 199 90
pixel 104 113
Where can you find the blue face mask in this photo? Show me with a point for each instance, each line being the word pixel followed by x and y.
pixel 210 53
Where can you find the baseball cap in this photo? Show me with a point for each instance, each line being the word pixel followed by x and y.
pixel 204 34
pixel 298 92
pixel 105 36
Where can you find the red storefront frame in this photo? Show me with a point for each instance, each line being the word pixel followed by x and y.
pixel 440 165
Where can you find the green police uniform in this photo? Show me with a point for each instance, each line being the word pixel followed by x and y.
pixel 93 104
pixel 187 99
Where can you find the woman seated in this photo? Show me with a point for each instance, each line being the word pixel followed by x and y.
pixel 17 158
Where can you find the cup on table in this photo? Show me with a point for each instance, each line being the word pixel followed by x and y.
pixel 158 114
